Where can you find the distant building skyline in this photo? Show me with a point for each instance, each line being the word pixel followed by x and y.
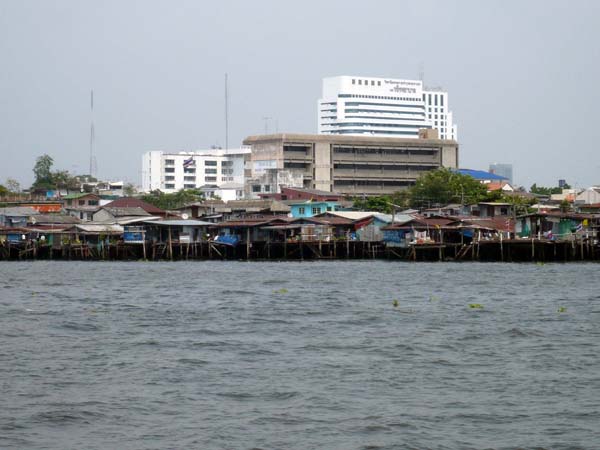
pixel 358 105
pixel 503 169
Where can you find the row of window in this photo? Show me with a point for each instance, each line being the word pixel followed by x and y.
pixel 383 151
pixel 380 125
pixel 436 98
pixel 380 183
pixel 171 162
pixel 420 114
pixel 381 97
pixel 382 167
pixel 376 132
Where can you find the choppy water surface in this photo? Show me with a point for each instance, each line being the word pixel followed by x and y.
pixel 307 355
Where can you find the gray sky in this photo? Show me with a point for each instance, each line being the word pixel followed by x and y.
pixel 522 76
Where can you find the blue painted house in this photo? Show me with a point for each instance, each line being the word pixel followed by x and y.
pixel 311 209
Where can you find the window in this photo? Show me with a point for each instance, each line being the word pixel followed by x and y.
pixel 359 81
pixel 210 163
pixel 189 178
pixel 372 83
pixel 211 171
pixel 93 203
pixel 379 83
pixel 301 209
pixel 169 186
pixel 170 170
pixel 169 162
pixel 189 170
pixel 353 81
pixel 442 100
pixel 435 98
pixel 256 188
pixel 267 188
pixel 81 202
pixel 316 210
pixel 169 178
pixel 189 186
pixel 210 179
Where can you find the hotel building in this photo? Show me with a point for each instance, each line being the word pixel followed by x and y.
pixel 352 105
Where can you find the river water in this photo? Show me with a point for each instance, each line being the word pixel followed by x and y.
pixel 299 355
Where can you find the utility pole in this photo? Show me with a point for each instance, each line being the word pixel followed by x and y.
pixel 92 131
pixel 226 115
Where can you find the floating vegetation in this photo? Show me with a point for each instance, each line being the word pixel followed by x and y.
pixel 433 298
pixel 539 263
pixel 395 303
pixel 475 306
pixel 562 309
pixel 281 291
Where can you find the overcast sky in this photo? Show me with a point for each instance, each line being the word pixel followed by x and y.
pixel 523 76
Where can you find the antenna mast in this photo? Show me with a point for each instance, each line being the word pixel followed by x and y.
pixel 226 116
pixel 92 132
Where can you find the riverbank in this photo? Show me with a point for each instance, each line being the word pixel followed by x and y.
pixel 512 250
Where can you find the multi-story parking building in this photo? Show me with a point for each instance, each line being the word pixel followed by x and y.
pixel 353 165
pixel 352 105
pixel 172 171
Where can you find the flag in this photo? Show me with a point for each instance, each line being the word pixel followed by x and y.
pixel 189 162
pixel 579 227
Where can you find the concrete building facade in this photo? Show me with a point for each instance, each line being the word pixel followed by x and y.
pixel 173 171
pixel 353 105
pixel 352 165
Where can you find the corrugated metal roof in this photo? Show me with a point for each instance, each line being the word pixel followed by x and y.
pixel 131 202
pixel 100 229
pixel 179 223
pixel 78 195
pixel 125 211
pixel 480 174
pixel 20 211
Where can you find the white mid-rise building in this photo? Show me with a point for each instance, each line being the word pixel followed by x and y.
pixel 172 171
pixel 370 106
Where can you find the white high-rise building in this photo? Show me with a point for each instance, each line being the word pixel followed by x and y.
pixel 371 106
pixel 173 171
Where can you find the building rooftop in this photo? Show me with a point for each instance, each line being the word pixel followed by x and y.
pixel 480 174
pixel 131 202
pixel 338 138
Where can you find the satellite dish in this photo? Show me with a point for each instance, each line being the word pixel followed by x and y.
pixel 185 216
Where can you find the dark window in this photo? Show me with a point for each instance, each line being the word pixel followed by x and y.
pixel 210 163
pixel 170 170
pixel 210 171
pixel 256 188
pixel 81 202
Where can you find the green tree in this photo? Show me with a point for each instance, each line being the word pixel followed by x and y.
pixel 129 190
pixel 376 203
pixel 43 172
pixel 3 191
pixel 444 186
pixel 541 190
pixel 63 179
pixel 13 185
pixel 174 200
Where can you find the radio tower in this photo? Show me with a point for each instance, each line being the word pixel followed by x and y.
pixel 92 133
